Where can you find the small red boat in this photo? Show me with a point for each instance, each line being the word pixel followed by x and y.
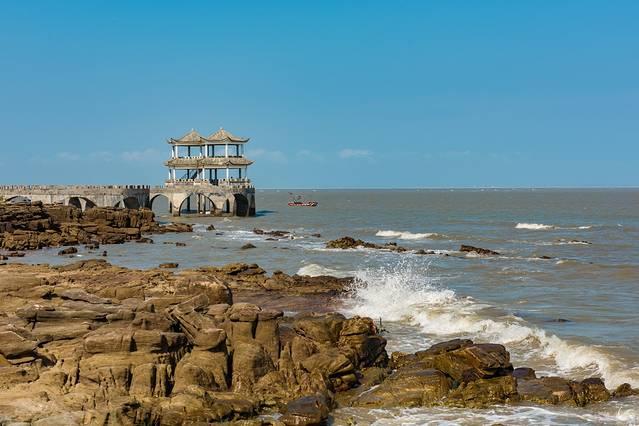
pixel 298 201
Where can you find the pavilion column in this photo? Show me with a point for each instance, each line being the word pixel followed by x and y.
pixel 226 150
pixel 227 172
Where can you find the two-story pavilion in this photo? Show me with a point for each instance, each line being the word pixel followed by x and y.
pixel 217 158
pixel 210 173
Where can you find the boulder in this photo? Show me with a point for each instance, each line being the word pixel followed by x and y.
pixel 477 250
pixel 306 411
pixel 16 343
pixel 546 390
pixel 250 362
pixel 205 369
pixel 483 393
pixel 589 391
pixel 472 362
pixel 415 386
pixel 67 251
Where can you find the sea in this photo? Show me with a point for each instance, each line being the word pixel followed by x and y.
pixel 562 295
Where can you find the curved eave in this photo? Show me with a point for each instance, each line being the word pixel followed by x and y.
pixel 225 141
pixel 208 162
pixel 185 143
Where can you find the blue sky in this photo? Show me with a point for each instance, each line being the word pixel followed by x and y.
pixel 333 94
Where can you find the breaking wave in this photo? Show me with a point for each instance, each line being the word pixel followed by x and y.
pixel 534 226
pixel 315 270
pixel 543 227
pixel 405 235
pixel 398 294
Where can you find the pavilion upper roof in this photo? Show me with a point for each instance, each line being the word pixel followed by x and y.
pixel 222 136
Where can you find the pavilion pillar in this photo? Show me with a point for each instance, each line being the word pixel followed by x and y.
pixel 226 150
pixel 227 172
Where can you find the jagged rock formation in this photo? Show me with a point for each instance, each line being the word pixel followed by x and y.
pixel 29 227
pixel 91 343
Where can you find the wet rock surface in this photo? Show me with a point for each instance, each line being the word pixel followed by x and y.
pixel 92 343
pixel 477 250
pixel 34 226
pixel 352 243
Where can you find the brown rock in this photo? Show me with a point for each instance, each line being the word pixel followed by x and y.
pixel 484 392
pixel 546 390
pixel 208 370
pixel 477 361
pixel 250 362
pixel 306 411
pixel 408 387
pixel 524 373
pixel 477 250
pixel 589 391
pixel 67 251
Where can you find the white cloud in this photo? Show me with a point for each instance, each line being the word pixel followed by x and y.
pixel 145 155
pixel 456 154
pixel 306 154
pixel 354 153
pixel 268 155
pixel 67 156
pixel 102 156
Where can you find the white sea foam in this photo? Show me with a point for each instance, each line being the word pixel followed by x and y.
pixel 534 226
pixel 544 227
pixel 398 294
pixel 199 227
pixel 521 414
pixel 404 235
pixel 315 270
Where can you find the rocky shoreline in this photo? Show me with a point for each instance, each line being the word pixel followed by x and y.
pixel 93 343
pixel 35 226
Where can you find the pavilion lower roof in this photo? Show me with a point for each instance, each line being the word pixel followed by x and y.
pixel 200 162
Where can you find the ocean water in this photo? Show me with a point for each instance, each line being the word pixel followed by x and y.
pixel 575 314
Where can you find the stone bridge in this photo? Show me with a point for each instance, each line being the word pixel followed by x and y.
pixel 206 199
pixel 81 196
